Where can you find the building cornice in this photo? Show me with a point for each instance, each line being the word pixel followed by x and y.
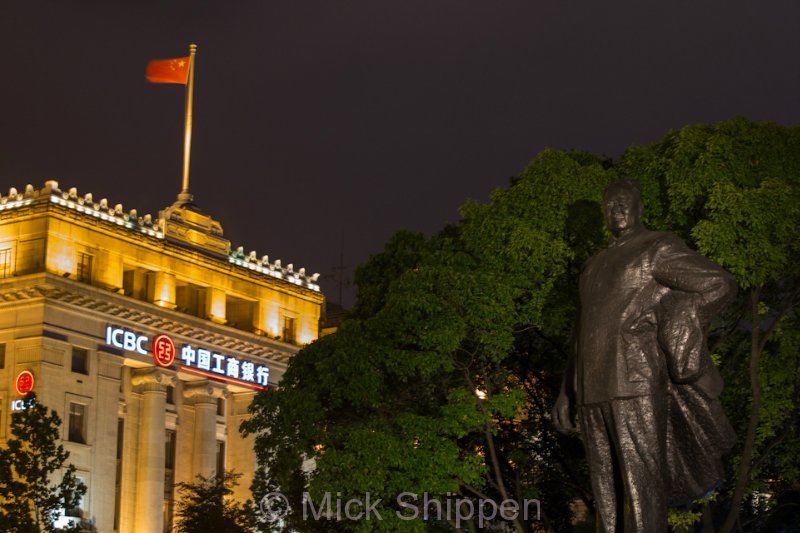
pixel 130 224
pixel 110 306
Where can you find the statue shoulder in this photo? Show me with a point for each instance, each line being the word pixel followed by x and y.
pixel 594 258
pixel 666 239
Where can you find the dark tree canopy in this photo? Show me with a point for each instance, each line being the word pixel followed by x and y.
pixel 31 463
pixel 205 507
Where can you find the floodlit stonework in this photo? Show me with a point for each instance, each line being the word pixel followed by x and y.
pixel 86 289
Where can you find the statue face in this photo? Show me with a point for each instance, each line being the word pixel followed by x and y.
pixel 622 211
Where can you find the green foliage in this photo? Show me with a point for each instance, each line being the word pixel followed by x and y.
pixel 402 253
pixel 30 502
pixel 733 190
pixel 206 507
pixel 683 520
pixel 390 404
pixel 751 231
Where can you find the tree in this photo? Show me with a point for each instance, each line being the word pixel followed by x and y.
pixel 442 379
pixel 435 386
pixel 205 506
pixel 733 189
pixel 29 501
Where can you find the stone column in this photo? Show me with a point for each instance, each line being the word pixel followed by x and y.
pixel 107 270
pixel 105 440
pixel 163 289
pixel 152 383
pixel 215 305
pixel 241 450
pixel 203 395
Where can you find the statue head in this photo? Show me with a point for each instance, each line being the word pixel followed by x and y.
pixel 622 207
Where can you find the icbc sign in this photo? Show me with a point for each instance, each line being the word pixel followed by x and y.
pixel 24 382
pixel 163 350
pixel 201 360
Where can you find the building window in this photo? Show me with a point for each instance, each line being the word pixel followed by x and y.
pixel 77 511
pixel 84 267
pixel 240 313
pixel 30 256
pixel 118 482
pixel 77 423
pixel 2 356
pixel 80 360
pixel 288 329
pixel 169 479
pixel 5 263
pixel 191 299
pixel 220 458
pixel 170 395
pixel 135 282
pixel 220 407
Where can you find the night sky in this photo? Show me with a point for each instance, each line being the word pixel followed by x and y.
pixel 318 119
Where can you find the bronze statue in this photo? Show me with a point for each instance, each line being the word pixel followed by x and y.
pixel 640 378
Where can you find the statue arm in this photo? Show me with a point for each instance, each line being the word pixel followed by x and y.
pixel 678 267
pixel 564 409
pixel 699 290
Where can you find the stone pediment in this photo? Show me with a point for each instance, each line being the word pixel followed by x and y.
pixel 185 224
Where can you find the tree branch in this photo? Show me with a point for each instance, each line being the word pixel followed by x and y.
pixel 487 428
pixel 776 441
pixel 749 443
pixel 782 313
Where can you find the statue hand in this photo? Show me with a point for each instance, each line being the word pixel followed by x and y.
pixel 563 414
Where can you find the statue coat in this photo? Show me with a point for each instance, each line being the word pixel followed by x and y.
pixel 645 303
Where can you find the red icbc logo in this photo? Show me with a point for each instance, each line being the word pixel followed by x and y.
pixel 163 350
pixel 24 382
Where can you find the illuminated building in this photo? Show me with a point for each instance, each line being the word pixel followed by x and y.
pixel 149 336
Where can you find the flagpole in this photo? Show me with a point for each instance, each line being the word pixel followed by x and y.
pixel 187 128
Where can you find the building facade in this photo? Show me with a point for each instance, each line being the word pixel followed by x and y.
pixel 149 336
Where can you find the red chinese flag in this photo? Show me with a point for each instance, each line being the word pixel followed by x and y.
pixel 168 70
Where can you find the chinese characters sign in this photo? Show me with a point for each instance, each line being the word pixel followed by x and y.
pixel 195 359
pixel 223 365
